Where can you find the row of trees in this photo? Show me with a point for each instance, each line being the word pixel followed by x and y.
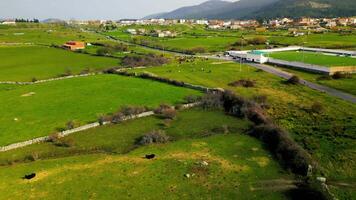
pixel 27 20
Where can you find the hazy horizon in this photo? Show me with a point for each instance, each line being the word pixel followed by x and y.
pixel 88 9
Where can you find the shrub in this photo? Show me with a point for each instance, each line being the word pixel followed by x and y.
pixel 243 83
pixel 324 77
pixel 54 137
pixel 166 111
pixel 32 157
pixel 144 60
pixel 112 70
pixel 316 107
pixel 195 50
pixel 34 79
pixel 257 40
pixel 104 51
pixel 192 99
pixel 64 142
pixel 71 125
pixel 340 75
pixel 158 136
pixel 293 80
pixel 126 111
pixel 285 149
pixel 169 113
pixel 212 101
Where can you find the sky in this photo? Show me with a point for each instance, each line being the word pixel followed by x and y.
pixel 88 9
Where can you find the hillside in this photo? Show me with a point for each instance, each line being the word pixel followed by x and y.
pixel 216 9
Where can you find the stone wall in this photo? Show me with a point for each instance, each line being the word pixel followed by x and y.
pixel 81 128
pixel 47 80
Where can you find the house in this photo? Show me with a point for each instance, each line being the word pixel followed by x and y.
pixel 74 45
pixel 342 21
pixel 202 22
pixel 8 22
pixel 132 31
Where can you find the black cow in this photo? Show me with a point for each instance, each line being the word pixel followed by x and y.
pixel 29 176
pixel 150 156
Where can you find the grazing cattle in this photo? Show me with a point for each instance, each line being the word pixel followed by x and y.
pixel 150 156
pixel 29 176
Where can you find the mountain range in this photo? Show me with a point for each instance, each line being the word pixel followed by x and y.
pixel 263 9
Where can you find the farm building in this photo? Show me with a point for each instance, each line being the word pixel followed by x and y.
pixel 74 45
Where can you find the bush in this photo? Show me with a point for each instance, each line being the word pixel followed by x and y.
pixel 166 111
pixel 70 125
pixel 125 112
pixel 54 137
pixel 324 77
pixel 293 80
pixel 285 149
pixel 169 114
pixel 195 50
pixel 144 60
pixel 64 142
pixel 34 79
pixel 257 40
pixel 153 137
pixel 316 108
pixel 212 101
pixel 243 83
pixel 104 51
pixel 340 75
pixel 192 99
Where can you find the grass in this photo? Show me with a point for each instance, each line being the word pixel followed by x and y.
pixel 27 62
pixel 344 84
pixel 37 110
pixel 190 36
pixel 315 58
pixel 327 136
pixel 45 34
pixel 120 138
pixel 238 165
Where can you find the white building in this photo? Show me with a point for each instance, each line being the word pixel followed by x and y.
pixel 9 22
pixel 202 22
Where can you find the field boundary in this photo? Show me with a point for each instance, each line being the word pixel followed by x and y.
pixel 83 128
pixel 48 80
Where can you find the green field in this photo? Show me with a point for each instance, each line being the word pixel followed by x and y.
pixel 27 62
pixel 327 136
pixel 37 110
pixel 45 34
pixel 344 84
pixel 191 36
pixel 315 58
pixel 238 165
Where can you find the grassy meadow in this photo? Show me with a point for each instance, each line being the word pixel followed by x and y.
pixel 315 58
pixel 327 135
pixel 193 36
pixel 24 63
pixel 38 110
pixel 44 34
pixel 238 165
pixel 344 84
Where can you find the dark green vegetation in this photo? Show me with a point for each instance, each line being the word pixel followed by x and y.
pixel 263 9
pixel 315 58
pixel 237 165
pixel 38 110
pixel 25 63
pixel 327 135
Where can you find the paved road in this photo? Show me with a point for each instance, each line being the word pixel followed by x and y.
pixel 333 92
